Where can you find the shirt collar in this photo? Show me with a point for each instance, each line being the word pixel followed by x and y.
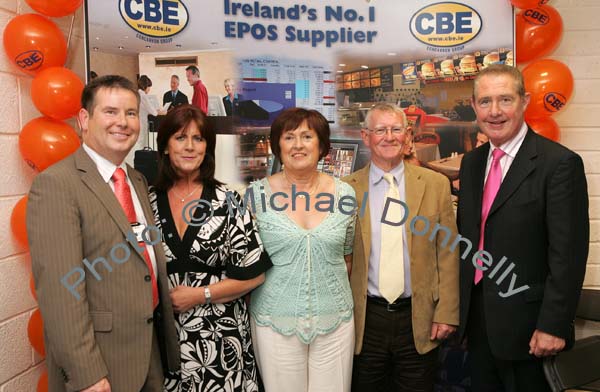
pixel 511 147
pixel 376 173
pixel 105 167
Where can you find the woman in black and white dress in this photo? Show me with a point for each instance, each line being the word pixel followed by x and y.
pixel 211 263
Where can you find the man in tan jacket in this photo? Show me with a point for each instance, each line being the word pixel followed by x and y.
pixel 405 266
pixel 99 268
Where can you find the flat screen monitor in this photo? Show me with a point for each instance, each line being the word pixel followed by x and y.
pixel 215 106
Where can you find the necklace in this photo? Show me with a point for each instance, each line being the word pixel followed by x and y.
pixel 310 192
pixel 182 199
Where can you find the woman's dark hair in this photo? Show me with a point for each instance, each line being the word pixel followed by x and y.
pixel 144 82
pixel 291 119
pixel 180 118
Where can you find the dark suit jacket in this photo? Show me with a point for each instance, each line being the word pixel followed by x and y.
pixel 180 99
pixel 72 215
pixel 538 221
pixel 231 108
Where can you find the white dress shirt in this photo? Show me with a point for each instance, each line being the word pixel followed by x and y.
pixel 510 149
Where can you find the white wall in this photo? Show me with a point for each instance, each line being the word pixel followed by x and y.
pixel 19 365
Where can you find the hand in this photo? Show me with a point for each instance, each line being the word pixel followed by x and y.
pixel 184 298
pixel 162 112
pixel 543 344
pixel 441 331
pixel 101 386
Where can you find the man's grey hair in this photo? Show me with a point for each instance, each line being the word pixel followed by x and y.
pixel 385 108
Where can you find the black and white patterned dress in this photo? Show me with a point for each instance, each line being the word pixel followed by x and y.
pixel 216 346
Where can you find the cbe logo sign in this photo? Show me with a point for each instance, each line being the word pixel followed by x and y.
pixel 553 102
pixel 155 18
pixel 536 16
pixel 30 60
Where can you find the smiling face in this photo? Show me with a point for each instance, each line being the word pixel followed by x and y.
pixel 300 148
pixel 386 150
pixel 191 78
pixel 186 149
pixel 499 108
pixel 113 126
pixel 229 87
pixel 174 83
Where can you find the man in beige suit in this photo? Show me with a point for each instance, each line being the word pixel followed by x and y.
pixel 103 292
pixel 404 276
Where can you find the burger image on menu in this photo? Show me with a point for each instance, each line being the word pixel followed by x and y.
pixel 509 59
pixel 491 58
pixel 447 67
pixel 468 64
pixel 427 70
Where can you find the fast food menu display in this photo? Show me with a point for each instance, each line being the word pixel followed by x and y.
pixel 458 67
pixel 409 73
pixel 368 78
pixel 340 160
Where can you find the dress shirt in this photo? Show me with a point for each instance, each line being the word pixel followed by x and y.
pixel 378 188
pixel 107 169
pixel 510 149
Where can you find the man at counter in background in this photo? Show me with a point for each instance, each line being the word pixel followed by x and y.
pixel 523 198
pixel 175 96
pixel 231 100
pixel 200 97
pixel 405 286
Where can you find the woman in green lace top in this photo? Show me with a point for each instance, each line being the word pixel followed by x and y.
pixel 302 315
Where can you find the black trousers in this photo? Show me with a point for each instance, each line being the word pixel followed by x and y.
pixel 389 361
pixel 491 374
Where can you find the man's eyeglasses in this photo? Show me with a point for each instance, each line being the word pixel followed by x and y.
pixel 383 130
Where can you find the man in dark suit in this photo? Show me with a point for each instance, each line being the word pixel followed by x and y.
pixel 101 286
pixel 523 207
pixel 175 96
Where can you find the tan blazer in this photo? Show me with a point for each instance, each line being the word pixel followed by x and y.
pixel 72 214
pixel 434 267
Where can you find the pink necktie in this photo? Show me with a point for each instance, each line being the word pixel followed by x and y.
pixel 123 193
pixel 490 189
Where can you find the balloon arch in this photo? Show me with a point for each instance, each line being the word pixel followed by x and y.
pixel 37 47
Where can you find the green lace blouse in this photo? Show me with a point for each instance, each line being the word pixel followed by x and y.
pixel 306 293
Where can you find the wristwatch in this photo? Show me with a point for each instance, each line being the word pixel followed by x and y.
pixel 207 295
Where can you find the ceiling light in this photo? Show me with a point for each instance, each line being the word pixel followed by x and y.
pixel 95 48
pixel 178 45
pixel 364 66
pixel 97 38
pixel 342 65
pixel 148 46
pixel 120 48
pixel 339 71
pixel 391 54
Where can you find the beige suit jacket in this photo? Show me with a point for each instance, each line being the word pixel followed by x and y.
pixel 433 266
pixel 72 215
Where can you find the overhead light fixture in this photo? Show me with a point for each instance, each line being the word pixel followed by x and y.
pixel 120 48
pixel 214 43
pixel 342 65
pixel 364 66
pixel 391 53
pixel 98 38
pixel 339 71
pixel 178 45
pixel 148 46
pixel 95 48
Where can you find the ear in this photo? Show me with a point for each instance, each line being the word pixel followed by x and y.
pixel 526 100
pixel 82 119
pixel 364 134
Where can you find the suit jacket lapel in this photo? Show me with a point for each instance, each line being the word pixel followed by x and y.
pixel 92 179
pixel 361 186
pixel 522 165
pixel 478 178
pixel 414 191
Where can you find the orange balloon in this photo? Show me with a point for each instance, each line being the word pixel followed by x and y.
pixel 42 385
pixel 56 92
pixel 32 287
pixel 44 141
pixel 35 331
pixel 538 32
pixel 527 3
pixel 550 84
pixel 55 8
pixel 34 43
pixel 18 222
pixel 545 126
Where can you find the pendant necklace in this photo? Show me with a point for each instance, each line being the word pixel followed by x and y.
pixel 182 199
pixel 310 192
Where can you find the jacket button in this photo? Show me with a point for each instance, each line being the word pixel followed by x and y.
pixel 147 278
pixel 150 320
